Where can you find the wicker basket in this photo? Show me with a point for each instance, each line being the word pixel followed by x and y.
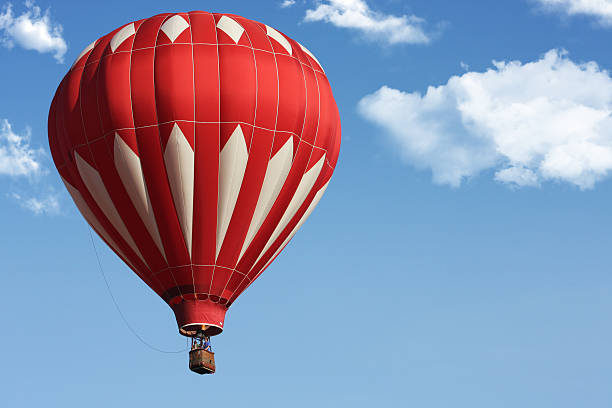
pixel 202 361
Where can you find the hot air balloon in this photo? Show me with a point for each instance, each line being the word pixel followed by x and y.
pixel 195 145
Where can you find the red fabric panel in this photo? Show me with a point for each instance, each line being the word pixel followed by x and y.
pixel 205 193
pixel 203 29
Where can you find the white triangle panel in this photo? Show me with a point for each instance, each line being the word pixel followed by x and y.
pixel 174 26
pixel 122 35
pixel 306 183
pixel 230 27
pixel 311 55
pixel 179 160
pixel 276 174
pixel 130 171
pixel 92 180
pixel 85 51
pixel 232 164
pixel 272 33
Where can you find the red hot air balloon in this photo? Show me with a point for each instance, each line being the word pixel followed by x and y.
pixel 196 145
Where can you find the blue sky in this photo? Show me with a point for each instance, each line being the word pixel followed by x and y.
pixel 460 257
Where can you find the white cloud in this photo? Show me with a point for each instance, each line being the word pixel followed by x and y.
pixel 32 30
pixel 547 120
pixel 17 158
pixel 601 9
pixel 287 3
pixel 43 205
pixel 356 14
pixel 517 175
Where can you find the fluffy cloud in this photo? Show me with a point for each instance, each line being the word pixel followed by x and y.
pixel 287 3
pixel 356 14
pixel 17 158
pixel 32 30
pixel 42 205
pixel 601 9
pixel 547 120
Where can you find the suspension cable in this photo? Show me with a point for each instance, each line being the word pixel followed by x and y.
pixel 110 292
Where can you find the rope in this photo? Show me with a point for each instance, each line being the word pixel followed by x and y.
pixel 110 292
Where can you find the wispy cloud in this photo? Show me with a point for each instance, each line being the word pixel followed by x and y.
pixel 600 9
pixel 17 157
pixel 48 204
pixel 32 30
pixel 546 120
pixel 287 3
pixel 20 161
pixel 374 25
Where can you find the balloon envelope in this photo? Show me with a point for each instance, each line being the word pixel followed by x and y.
pixel 195 144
